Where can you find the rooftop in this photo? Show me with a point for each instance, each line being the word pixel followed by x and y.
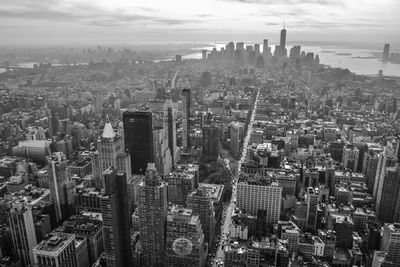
pixel 55 243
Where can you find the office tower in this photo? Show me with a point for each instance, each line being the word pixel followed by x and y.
pixel 239 46
pixel 88 228
pixel 62 189
pixel 152 217
pixel 282 42
pixel 180 184
pixel 265 47
pixel 386 52
pixel 257 49
pixel 210 137
pixel 387 205
pixel 260 195
pixel 111 152
pixel 56 251
pixel 171 126
pixel 350 157
pixel 200 202
pixel 235 134
pixel 312 208
pixel 186 95
pixel 185 238
pixel 204 54
pixel 391 243
pixel 344 227
pixel 116 220
pixel 290 232
pixel 22 231
pixel 138 133
pixel 162 155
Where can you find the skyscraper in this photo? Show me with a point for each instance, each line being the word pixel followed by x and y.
pixel 265 47
pixel 116 220
pixel 171 125
pixel 257 195
pixel 386 52
pixel 391 243
pixel 138 134
pixel 22 231
pixel 185 238
pixel 111 152
pixel 186 95
pixel 56 250
pixel 61 188
pixel 210 136
pixel 152 217
pixel 282 42
pixel 200 202
pixel 388 194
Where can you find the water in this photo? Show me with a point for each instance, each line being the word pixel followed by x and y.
pixel 360 61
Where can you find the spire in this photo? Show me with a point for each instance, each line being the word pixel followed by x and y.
pixel 108 131
pixel 284 23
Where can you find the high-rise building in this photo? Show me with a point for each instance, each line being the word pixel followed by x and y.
pixel 204 54
pixel 116 220
pixel 88 228
pixel 388 194
pixel 56 251
pixel 186 95
pixel 62 189
pixel 111 152
pixel 171 126
pixel 200 202
pixel 391 243
pixel 344 227
pixel 138 134
pixel 22 231
pixel 350 157
pixel 282 42
pixel 260 194
pixel 386 52
pixel 162 155
pixel 236 133
pixel 184 239
pixel 265 47
pixel 210 137
pixel 152 217
pixel 180 184
pixel 312 208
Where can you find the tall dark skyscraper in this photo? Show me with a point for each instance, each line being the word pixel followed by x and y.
pixel 282 43
pixel 386 52
pixel 138 133
pixel 186 118
pixel 116 220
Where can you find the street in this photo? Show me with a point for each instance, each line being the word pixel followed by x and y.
pixel 219 257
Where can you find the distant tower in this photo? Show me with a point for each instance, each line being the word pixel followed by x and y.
pixel 386 52
pixel 282 43
pixel 204 54
pixel 152 217
pixel 116 220
pixel 186 118
pixel 138 133
pixel 265 47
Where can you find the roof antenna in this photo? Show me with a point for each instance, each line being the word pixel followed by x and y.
pixel 284 23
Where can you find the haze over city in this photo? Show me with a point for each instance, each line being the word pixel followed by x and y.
pixel 120 22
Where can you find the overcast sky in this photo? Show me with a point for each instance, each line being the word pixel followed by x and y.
pixel 32 22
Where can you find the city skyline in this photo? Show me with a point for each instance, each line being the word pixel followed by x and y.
pixel 122 22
